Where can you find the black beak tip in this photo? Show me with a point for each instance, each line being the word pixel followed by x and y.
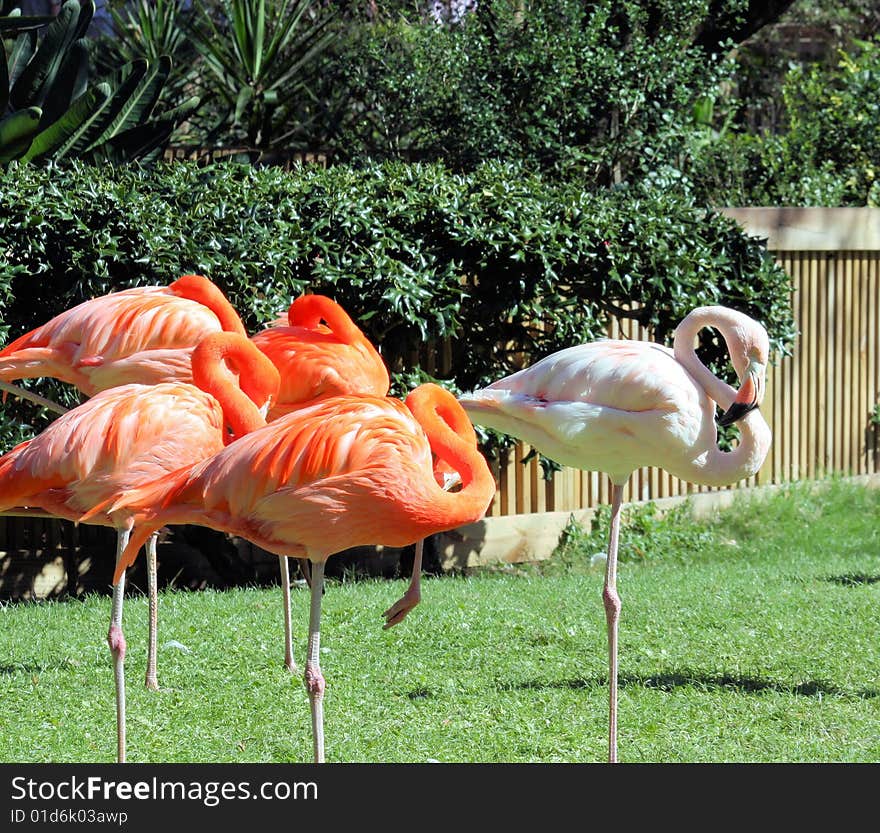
pixel 735 412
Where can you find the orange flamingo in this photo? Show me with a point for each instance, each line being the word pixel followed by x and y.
pixel 144 335
pixel 147 335
pixel 614 406
pixel 342 472
pixel 132 435
pixel 317 360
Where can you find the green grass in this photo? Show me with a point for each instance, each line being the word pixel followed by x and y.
pixel 754 637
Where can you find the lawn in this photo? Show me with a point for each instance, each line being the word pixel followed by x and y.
pixel 750 637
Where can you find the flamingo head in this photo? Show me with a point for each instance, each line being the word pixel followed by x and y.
pixel 749 353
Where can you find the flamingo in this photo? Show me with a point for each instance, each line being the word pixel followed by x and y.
pixel 145 335
pixel 132 435
pixel 318 360
pixel 315 359
pixel 614 406
pixel 345 471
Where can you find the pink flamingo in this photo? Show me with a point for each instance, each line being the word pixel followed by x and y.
pixel 318 360
pixel 345 471
pixel 132 435
pixel 615 406
pixel 145 335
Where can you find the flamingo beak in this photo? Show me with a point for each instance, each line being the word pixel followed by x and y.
pixel 749 396
pixel 264 410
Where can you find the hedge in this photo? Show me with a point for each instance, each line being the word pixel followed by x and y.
pixel 413 252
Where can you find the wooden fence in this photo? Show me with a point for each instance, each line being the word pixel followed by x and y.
pixel 819 403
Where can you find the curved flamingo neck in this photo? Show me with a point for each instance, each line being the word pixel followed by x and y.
pixel 723 320
pixel 309 310
pixel 216 362
pixel 716 467
pixel 442 419
pixel 199 288
pixel 722 468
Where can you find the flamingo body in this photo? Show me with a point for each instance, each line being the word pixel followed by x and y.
pixel 609 406
pixel 143 335
pixel 343 472
pixel 318 360
pixel 614 406
pixel 119 439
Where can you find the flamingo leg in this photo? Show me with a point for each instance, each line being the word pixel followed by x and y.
pixel 22 393
pixel 413 595
pixel 612 615
pixel 288 630
pixel 116 641
pixel 152 680
pixel 313 676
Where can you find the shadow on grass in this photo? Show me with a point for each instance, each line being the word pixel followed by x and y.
pixel 73 666
pixel 25 668
pixel 854 579
pixel 706 682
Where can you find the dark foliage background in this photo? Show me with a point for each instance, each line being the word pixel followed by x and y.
pixel 413 251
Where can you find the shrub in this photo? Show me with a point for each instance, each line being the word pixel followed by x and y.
pixel 599 90
pixel 414 252
pixel 828 155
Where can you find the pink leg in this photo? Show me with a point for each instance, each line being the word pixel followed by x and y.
pixel 313 676
pixel 116 641
pixel 285 594
pixel 152 680
pixel 612 615
pixel 396 613
pixel 21 393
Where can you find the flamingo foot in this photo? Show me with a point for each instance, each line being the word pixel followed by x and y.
pixel 398 611
pixel 152 683
pixel 289 664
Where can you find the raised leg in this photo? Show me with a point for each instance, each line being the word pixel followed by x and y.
pixel 612 615
pixel 152 680
pixel 285 594
pixel 116 641
pixel 413 595
pixel 313 676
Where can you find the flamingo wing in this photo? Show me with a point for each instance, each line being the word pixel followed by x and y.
pixel 120 439
pixel 75 345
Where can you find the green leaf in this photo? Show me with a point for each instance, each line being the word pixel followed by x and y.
pixel 122 88
pixel 16 133
pixel 70 84
pixel 33 84
pixel 22 51
pixel 16 22
pixel 58 139
pixel 138 105
pixel 137 143
pixel 4 78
